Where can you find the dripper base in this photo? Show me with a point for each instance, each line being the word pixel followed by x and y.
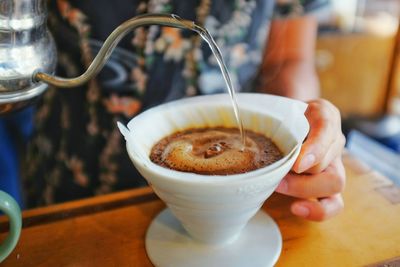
pixel 168 244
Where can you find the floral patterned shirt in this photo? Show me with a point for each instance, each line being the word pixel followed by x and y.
pixel 77 150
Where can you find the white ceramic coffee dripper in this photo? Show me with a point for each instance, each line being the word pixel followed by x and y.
pixel 213 209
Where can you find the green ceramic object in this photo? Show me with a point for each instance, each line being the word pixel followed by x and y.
pixel 12 210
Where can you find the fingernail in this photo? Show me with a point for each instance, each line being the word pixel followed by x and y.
pixel 306 163
pixel 282 187
pixel 300 210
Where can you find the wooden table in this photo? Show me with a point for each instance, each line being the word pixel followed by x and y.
pixel 110 230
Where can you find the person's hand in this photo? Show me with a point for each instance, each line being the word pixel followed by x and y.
pixel 318 177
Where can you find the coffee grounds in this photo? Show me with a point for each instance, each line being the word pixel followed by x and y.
pixel 214 151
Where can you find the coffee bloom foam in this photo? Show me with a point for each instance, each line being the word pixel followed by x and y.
pixel 214 151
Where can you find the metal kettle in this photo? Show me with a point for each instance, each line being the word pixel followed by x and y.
pixel 28 53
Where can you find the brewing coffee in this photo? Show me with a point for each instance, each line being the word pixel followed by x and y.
pixel 214 151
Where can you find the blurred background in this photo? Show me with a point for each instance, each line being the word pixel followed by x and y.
pixel 358 57
pixel 358 63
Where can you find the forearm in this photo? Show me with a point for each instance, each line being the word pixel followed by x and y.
pixel 288 62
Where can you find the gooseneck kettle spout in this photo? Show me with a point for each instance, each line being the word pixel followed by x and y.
pixel 111 42
pixel 28 53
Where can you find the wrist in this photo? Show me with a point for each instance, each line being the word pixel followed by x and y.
pixel 295 79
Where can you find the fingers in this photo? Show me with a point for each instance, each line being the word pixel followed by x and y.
pixel 324 184
pixel 334 151
pixel 318 210
pixel 325 140
pixel 319 194
pixel 319 176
